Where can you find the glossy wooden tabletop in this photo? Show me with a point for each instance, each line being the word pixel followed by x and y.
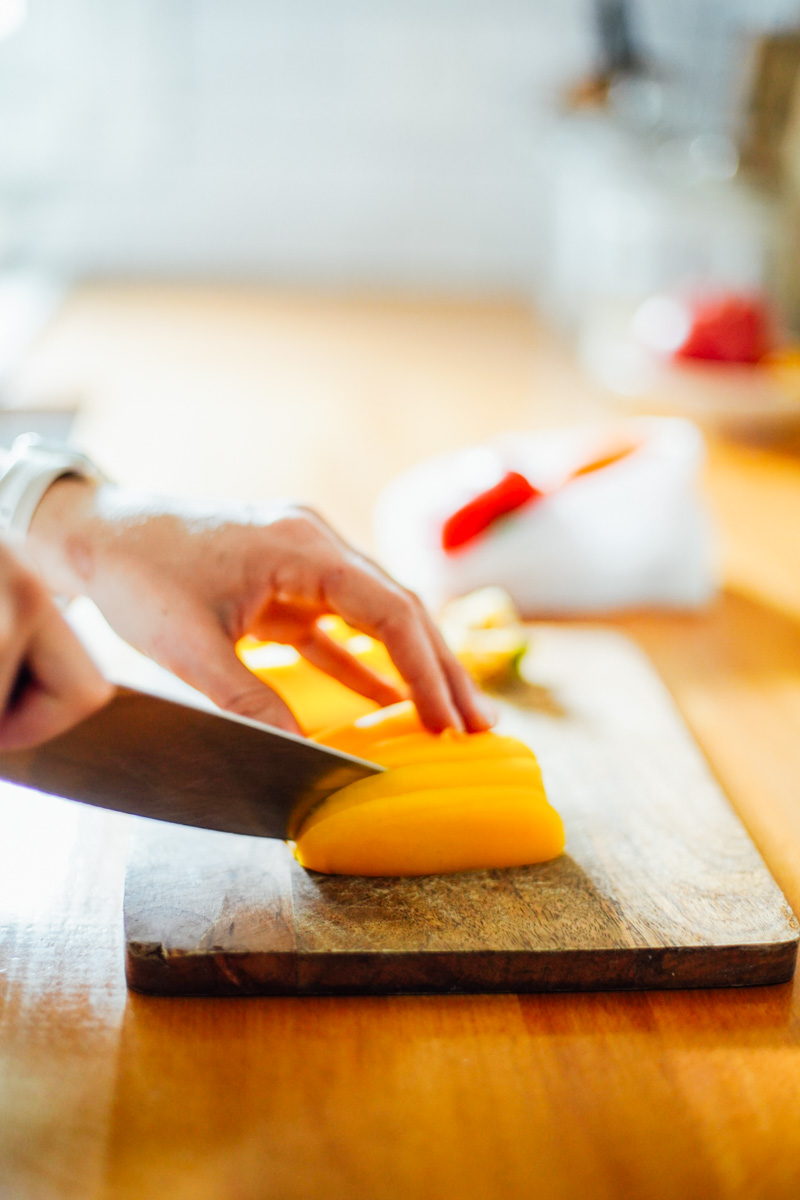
pixel 110 1096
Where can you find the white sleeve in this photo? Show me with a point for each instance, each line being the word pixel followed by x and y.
pixel 27 471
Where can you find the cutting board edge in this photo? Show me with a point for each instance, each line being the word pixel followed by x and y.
pixel 151 970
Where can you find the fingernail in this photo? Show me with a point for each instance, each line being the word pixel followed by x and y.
pixel 487 710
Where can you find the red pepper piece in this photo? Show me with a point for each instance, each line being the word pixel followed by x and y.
pixel 727 328
pixel 478 514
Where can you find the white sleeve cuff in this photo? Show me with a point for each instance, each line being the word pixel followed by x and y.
pixel 30 467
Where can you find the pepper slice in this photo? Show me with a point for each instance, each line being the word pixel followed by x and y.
pixel 478 514
pixel 448 802
pixel 512 492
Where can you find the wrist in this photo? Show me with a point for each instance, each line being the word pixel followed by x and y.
pixel 65 532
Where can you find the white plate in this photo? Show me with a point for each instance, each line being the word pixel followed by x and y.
pixel 728 398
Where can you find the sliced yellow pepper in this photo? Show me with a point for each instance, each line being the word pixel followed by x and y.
pixel 448 802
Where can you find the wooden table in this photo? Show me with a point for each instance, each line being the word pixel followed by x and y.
pixel 122 1097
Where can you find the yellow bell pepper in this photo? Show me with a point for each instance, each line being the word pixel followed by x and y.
pixel 315 698
pixel 447 802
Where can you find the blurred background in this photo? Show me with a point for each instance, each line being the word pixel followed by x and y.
pixel 176 176
pixel 420 145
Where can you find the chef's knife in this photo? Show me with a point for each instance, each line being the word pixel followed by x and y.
pixel 153 757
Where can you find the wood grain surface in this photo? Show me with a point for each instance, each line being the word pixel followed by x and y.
pixel 657 1095
pixel 660 885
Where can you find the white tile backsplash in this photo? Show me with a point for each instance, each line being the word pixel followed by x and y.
pixel 367 141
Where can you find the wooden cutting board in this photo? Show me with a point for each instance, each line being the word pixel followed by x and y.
pixel 660 885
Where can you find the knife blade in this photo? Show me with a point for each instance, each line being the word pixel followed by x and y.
pixel 152 757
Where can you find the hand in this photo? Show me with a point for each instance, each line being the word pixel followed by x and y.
pixel 183 582
pixel 47 681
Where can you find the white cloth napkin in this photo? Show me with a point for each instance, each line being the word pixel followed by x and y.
pixel 633 534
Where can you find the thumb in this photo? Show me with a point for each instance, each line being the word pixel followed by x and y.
pixel 213 668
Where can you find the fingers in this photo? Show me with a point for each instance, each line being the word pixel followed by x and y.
pixel 365 596
pixel 477 711
pixel 59 684
pixel 329 576
pixel 206 660
pixel 332 658
pixel 20 606
pixel 411 650
pixel 445 697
